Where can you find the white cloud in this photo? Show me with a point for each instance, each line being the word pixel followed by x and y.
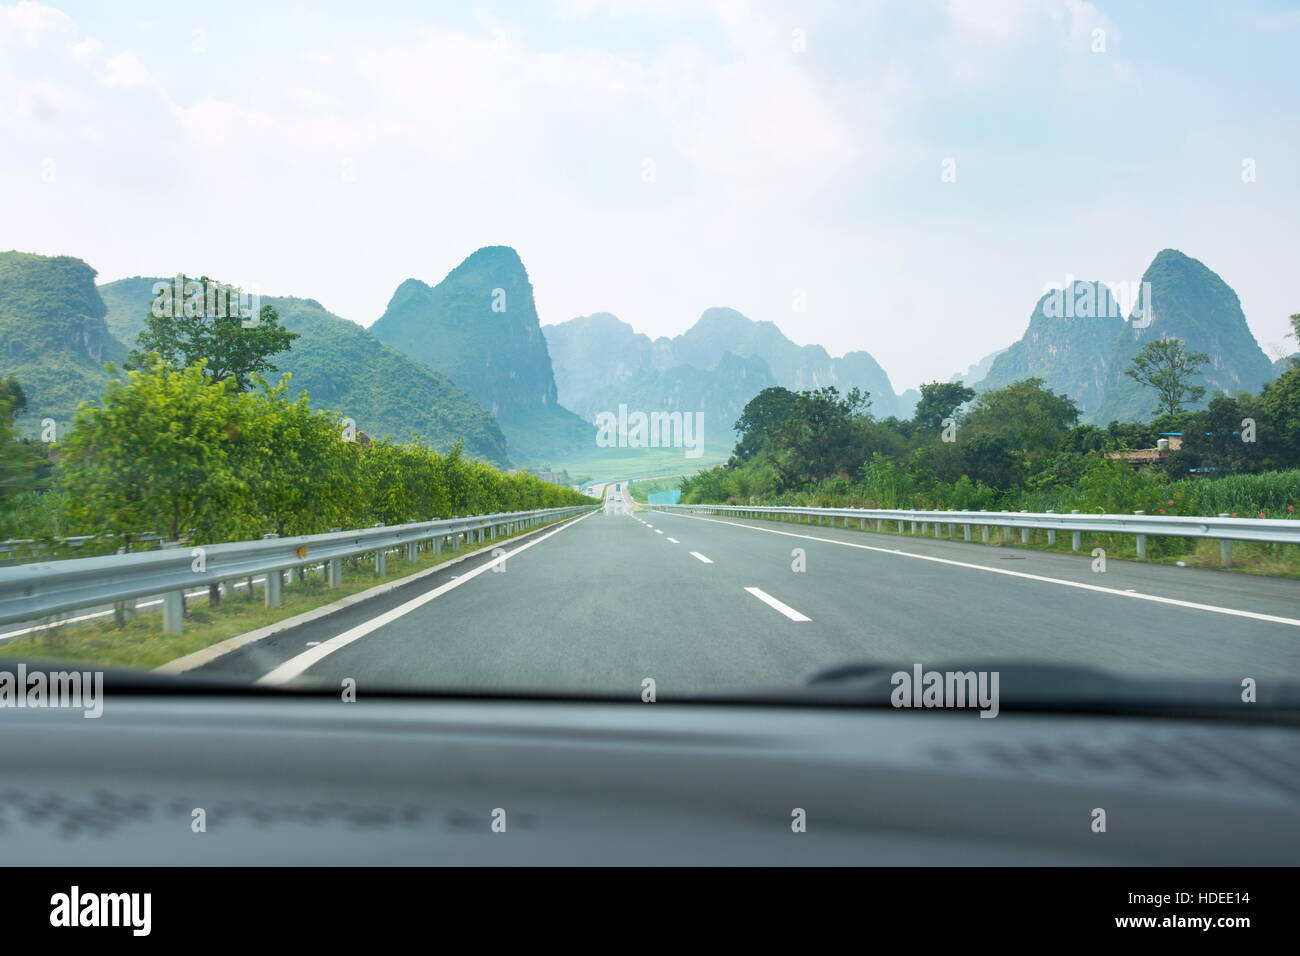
pixel 988 35
pixel 125 70
pixel 356 160
pixel 88 51
pixel 995 20
pixel 31 22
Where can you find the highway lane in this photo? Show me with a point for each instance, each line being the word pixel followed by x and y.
pixel 605 602
pixel 947 600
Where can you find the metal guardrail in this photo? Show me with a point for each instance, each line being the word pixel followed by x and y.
pixel 16 545
pixel 41 589
pixel 1222 528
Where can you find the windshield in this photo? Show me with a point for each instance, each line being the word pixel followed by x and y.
pixel 920 355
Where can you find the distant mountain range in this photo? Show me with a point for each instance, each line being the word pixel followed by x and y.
pixel 479 327
pixel 468 358
pixel 1069 352
pixel 346 369
pixel 977 372
pixel 53 336
pixel 716 366
pixel 1085 356
pixel 1190 302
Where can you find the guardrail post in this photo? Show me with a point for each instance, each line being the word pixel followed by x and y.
pixel 123 611
pixel 173 602
pixel 273 598
pixel 334 569
pixel 381 557
pixel 1225 548
pixel 173 612
pixel 1076 537
pixel 413 551
pixel 1051 532
pixel 1141 541
pixel 966 531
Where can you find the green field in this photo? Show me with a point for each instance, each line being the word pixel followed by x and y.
pixel 613 464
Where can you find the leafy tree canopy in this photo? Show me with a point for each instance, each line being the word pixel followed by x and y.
pixel 940 400
pixel 206 325
pixel 1166 366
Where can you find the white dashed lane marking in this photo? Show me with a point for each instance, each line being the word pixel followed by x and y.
pixel 772 602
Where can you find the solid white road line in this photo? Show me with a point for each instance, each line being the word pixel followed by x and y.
pixel 1253 615
pixel 697 554
pixel 674 541
pixel 772 602
pixel 296 666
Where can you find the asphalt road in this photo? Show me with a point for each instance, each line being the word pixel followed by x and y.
pixel 703 604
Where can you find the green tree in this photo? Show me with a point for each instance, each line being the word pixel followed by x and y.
pixel 939 400
pixel 1024 420
pixel 158 455
pixel 1213 439
pixel 13 396
pixel 1110 486
pixel 762 416
pixel 298 474
pixel 1166 366
pixel 822 437
pixel 185 333
pixel 1279 420
pixel 20 464
pixel 994 460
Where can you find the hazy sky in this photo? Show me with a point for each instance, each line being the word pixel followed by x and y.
pixel 652 159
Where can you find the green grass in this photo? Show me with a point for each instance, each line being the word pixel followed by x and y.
pixel 642 488
pixel 615 464
pixel 141 643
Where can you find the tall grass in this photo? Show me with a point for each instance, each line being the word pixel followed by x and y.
pixel 1269 493
pixel 35 514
